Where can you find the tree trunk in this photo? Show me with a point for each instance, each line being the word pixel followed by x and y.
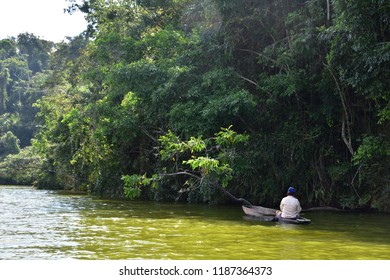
pixel 345 119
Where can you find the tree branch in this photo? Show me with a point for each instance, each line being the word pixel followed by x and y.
pixel 214 183
pixel 246 79
pixel 345 123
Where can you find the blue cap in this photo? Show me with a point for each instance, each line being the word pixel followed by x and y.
pixel 291 190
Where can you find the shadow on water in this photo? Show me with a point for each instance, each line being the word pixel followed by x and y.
pixel 366 227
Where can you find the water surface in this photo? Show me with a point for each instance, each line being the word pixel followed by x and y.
pixel 41 224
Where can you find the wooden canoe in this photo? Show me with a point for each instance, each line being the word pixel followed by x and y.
pixel 258 211
pixel 269 214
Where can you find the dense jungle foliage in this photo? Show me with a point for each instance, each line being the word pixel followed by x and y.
pixel 174 99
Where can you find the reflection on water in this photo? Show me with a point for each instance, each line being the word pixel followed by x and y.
pixel 38 224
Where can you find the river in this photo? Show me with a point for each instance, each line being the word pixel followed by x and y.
pixel 42 224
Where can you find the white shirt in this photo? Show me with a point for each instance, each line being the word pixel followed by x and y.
pixel 290 207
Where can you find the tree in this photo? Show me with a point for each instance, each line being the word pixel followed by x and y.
pixel 359 62
pixel 306 80
pixel 37 51
pixel 4 78
pixel 205 163
pixel 20 87
pixel 22 167
pixel 9 144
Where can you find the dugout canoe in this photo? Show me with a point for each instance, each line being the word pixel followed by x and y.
pixel 269 214
pixel 258 211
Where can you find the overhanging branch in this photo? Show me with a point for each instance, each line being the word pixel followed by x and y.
pixel 214 183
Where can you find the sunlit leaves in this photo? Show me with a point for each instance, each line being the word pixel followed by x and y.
pixel 133 184
pixel 172 146
pixel 206 159
pixel 130 101
pixel 228 137
pixel 23 167
pixel 209 157
pixel 9 144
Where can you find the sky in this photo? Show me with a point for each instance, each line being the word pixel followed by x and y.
pixel 44 18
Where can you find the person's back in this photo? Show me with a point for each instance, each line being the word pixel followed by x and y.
pixel 290 205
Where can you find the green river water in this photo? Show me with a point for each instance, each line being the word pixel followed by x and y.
pixel 40 224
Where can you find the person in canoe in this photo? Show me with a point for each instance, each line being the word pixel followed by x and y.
pixel 289 206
